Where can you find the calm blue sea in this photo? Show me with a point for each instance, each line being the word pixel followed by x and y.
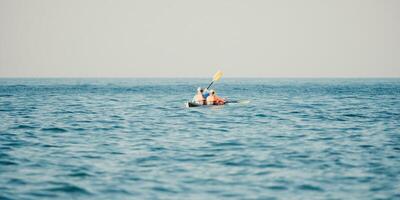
pixel 134 139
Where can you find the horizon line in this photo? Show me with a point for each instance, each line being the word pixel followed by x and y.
pixel 199 77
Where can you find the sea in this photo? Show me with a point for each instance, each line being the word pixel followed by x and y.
pixel 133 138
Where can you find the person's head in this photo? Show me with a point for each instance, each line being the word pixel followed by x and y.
pixel 199 89
pixel 212 92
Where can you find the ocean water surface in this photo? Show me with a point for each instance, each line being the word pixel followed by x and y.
pixel 134 139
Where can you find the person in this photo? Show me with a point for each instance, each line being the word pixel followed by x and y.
pixel 199 98
pixel 213 99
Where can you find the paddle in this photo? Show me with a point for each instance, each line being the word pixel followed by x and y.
pixel 216 77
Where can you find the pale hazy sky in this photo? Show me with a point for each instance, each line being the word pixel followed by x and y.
pixel 186 38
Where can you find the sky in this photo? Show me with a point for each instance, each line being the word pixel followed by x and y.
pixel 188 38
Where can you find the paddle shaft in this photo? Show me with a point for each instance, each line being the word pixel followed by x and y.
pixel 210 84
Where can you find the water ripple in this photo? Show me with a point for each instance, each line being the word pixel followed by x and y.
pixel 134 139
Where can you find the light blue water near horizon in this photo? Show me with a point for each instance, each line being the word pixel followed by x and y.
pixel 134 139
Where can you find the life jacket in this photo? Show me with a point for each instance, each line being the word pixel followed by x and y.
pixel 210 99
pixel 215 100
pixel 218 100
pixel 199 99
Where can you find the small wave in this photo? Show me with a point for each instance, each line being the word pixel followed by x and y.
pixel 73 105
pixel 54 130
pixel 68 188
pixel 103 129
pixel 3 197
pixel 63 112
pixel 118 191
pixel 79 129
pixel 354 115
pixel 7 162
pixel 80 174
pixel 117 127
pixel 3 154
pixel 230 143
pixel 16 181
pixel 237 163
pixel 22 126
pixel 272 165
pixel 117 117
pixel 207 155
pixel 93 156
pixel 148 158
pixel 277 187
pixel 50 146
pixel 219 129
pixel 366 146
pixel 116 153
pixel 263 173
pixel 163 189
pixel 310 188
pixel 157 149
pixel 338 119
pixel 42 194
pixel 5 148
pixel 16 143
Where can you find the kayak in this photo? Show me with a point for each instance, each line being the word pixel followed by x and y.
pixel 193 104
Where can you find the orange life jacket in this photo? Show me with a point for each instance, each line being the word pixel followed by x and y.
pixel 219 100
pixel 210 99
pixel 215 100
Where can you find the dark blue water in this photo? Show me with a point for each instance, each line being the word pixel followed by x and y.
pixel 134 139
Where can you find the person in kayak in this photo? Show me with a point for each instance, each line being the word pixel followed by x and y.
pixel 213 99
pixel 199 98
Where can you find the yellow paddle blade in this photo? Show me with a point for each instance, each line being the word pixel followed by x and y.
pixel 217 76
